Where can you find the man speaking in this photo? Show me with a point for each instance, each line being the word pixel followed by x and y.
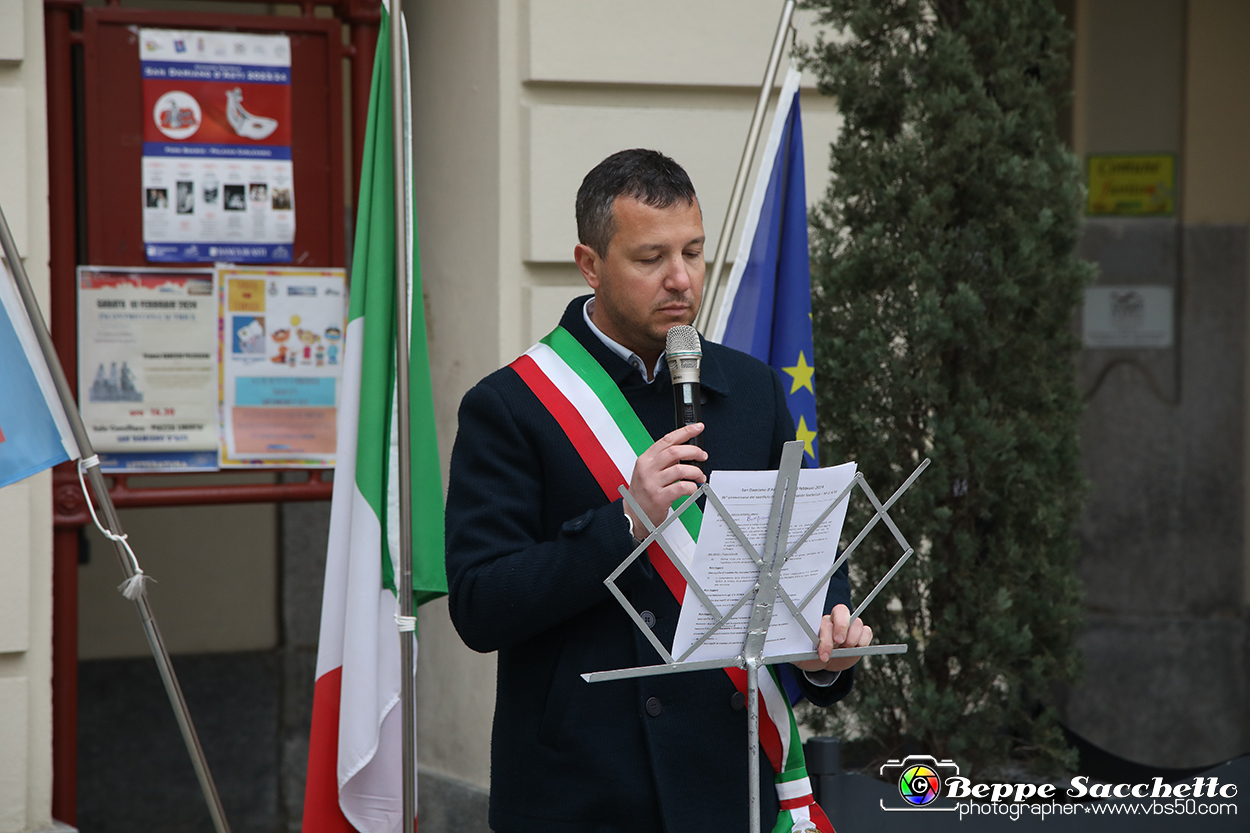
pixel 535 525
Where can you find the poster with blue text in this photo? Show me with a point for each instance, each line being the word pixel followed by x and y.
pixel 217 174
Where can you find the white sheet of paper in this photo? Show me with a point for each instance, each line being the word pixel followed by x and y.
pixel 725 570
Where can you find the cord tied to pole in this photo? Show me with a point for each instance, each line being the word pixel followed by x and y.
pixel 133 586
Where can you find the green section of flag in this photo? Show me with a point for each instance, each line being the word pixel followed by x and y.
pixel 373 298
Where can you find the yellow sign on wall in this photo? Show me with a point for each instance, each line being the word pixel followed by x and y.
pixel 1131 185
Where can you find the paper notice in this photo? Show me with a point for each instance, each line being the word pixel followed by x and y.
pixel 147 366
pixel 726 571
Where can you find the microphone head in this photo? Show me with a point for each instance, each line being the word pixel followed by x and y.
pixel 683 352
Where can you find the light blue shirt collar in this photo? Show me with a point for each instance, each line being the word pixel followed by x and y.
pixel 619 349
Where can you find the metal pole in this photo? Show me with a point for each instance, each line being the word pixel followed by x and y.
pixel 753 744
pixel 181 713
pixel 407 694
pixel 775 537
pixel 711 288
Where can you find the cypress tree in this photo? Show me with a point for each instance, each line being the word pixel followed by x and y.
pixel 944 282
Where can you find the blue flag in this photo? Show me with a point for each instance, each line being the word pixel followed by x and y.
pixel 34 431
pixel 767 310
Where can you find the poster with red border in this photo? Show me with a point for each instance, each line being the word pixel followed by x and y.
pixel 217 170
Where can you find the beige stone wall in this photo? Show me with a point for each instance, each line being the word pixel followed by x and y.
pixel 515 102
pixel 1129 71
pixel 456 104
pixel 1217 121
pixel 1169 76
pixel 1217 113
pixel 1191 98
pixel 26 507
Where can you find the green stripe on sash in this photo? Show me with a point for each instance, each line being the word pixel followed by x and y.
pixel 600 383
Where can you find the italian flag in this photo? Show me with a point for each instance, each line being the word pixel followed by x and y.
pixel 354 763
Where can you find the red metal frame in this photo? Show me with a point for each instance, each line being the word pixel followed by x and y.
pixel 362 17
pixel 113 117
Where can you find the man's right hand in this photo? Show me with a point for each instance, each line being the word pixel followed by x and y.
pixel 664 474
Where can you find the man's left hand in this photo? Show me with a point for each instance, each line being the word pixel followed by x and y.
pixel 838 631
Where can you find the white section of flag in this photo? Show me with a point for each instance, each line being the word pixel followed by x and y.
pixel 771 148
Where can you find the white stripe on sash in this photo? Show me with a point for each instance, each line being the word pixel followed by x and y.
pixel 606 431
pixel 798 788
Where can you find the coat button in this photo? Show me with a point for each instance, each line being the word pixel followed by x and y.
pixel 738 702
pixel 579 523
pixel 653 706
pixel 648 618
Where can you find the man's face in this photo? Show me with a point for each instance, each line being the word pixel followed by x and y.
pixel 651 277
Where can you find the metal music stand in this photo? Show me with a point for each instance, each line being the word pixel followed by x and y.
pixel 763 595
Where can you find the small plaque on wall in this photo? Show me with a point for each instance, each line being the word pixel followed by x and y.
pixel 1128 317
pixel 1132 186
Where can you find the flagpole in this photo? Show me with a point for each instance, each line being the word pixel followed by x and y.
pixel 111 521
pixel 407 693
pixel 711 287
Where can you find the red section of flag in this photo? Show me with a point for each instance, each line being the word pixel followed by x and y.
pixel 321 791
pixel 1 435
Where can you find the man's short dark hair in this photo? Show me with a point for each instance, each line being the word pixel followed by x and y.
pixel 645 175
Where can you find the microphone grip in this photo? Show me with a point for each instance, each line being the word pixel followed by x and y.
pixel 687 408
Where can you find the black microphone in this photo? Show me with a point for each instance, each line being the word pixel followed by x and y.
pixel 684 352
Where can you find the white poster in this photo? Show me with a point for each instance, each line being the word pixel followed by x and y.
pixel 217 174
pixel 282 363
pixel 147 366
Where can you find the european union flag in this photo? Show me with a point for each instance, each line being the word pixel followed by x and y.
pixel 767 310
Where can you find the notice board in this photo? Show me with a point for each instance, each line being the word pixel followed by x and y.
pixel 115 116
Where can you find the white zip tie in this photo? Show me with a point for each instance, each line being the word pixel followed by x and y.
pixel 132 587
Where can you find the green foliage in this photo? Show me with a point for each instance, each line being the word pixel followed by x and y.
pixel 944 283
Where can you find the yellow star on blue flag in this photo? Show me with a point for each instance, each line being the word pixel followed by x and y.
pixel 805 436
pixel 801 375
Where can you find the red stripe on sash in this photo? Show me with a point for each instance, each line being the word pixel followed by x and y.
pixel 609 479
pixel 588 447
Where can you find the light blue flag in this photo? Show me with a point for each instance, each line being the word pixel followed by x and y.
pixel 34 431
pixel 767 310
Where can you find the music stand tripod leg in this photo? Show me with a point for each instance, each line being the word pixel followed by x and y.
pixel 762 612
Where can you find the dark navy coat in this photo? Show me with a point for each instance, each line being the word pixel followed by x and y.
pixel 530 539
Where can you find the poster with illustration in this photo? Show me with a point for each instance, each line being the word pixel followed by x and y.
pixel 281 348
pixel 217 176
pixel 147 367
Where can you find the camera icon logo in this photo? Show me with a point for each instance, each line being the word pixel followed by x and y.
pixel 919 779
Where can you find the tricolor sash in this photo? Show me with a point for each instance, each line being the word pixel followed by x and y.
pixel 609 437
